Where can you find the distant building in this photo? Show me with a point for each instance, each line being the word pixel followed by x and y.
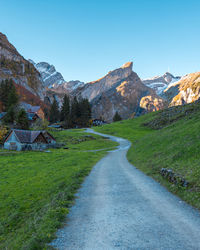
pixel 32 117
pixel 19 140
pixel 98 122
pixel 33 109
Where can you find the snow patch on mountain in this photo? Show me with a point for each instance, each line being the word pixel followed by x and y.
pixel 160 83
pixel 54 80
pixel 48 73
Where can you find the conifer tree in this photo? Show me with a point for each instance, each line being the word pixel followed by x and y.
pixel 54 112
pixel 22 120
pixel 75 112
pixel 10 116
pixel 8 95
pixel 117 117
pixel 85 112
pixel 65 110
pixel 12 97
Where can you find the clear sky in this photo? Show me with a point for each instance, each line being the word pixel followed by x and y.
pixel 86 39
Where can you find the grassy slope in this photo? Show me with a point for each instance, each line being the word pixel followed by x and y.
pixel 175 145
pixel 37 188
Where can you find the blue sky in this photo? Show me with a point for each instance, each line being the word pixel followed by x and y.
pixel 86 39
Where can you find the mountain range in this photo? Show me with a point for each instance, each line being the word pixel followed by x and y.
pixel 120 90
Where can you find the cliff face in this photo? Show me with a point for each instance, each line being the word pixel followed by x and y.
pixel 120 90
pixel 48 73
pixel 160 83
pixel 95 88
pixel 67 87
pixel 14 66
pixel 7 50
pixel 186 90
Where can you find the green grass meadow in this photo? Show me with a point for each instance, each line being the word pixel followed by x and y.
pixel 170 139
pixel 38 188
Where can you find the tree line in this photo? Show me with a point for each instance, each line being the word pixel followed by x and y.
pixel 10 104
pixel 75 113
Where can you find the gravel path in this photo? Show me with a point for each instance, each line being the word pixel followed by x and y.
pixel 118 207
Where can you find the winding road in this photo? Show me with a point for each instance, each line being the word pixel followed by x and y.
pixel 118 207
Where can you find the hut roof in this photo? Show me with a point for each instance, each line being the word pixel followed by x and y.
pixel 27 136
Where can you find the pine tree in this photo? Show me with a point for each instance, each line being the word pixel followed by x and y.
pixel 54 112
pixel 22 120
pixel 85 112
pixel 75 112
pixel 8 95
pixel 10 116
pixel 65 110
pixel 12 97
pixel 117 117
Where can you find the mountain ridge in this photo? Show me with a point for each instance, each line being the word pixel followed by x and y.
pixel 160 83
pixel 120 90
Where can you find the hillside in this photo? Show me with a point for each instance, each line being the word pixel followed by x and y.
pixel 166 139
pixel 13 65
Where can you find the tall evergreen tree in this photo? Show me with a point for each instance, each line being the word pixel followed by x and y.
pixel 8 95
pixel 65 110
pixel 12 97
pixel 85 112
pixel 75 112
pixel 54 113
pixel 22 120
pixel 117 117
pixel 10 116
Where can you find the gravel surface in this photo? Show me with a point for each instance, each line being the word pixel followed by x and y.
pixel 118 207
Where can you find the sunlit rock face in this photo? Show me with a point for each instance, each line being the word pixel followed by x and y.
pixel 152 103
pixel 186 90
pixel 95 88
pixel 120 90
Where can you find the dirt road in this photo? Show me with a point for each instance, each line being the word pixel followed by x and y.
pixel 118 207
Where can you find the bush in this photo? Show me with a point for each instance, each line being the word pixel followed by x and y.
pixel 3 133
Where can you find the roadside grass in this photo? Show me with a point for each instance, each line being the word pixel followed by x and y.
pixel 175 145
pixel 38 188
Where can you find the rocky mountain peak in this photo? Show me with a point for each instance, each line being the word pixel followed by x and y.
pixel 48 73
pixel 160 83
pixel 120 90
pixel 92 89
pixel 127 65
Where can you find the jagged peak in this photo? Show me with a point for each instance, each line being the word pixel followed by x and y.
pixel 125 69
pixel 127 65
pixel 166 74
